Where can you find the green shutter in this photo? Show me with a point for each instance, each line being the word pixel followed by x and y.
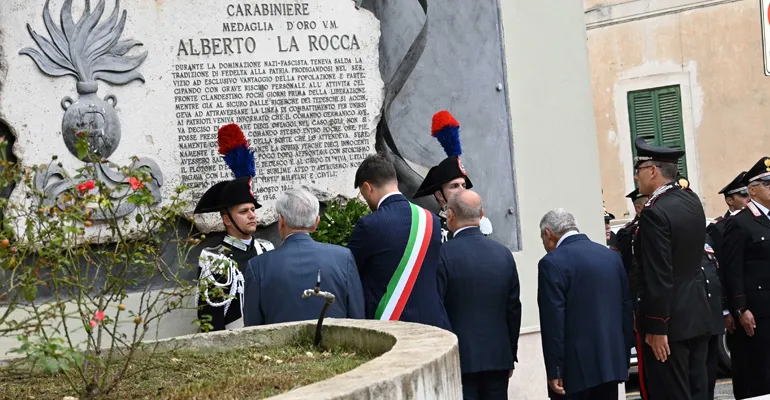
pixel 656 115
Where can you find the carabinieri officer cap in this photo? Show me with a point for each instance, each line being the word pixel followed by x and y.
pixel 240 158
pixel 647 152
pixel 608 215
pixel 447 131
pixel 759 172
pixel 635 195
pixel 736 186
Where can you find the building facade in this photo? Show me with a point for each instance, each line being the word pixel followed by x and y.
pixel 682 73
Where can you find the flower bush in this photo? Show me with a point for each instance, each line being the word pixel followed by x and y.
pixel 67 300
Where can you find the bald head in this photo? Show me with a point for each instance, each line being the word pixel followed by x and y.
pixel 466 210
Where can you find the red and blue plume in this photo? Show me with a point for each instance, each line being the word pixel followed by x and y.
pixel 235 149
pixel 446 129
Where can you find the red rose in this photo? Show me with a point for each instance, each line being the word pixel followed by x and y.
pixel 82 188
pixel 135 183
pixel 90 185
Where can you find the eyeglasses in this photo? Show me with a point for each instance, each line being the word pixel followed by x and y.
pixel 637 169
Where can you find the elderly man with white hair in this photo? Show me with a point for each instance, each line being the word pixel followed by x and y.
pixel 585 312
pixel 275 282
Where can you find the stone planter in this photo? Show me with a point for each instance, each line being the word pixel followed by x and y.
pixel 415 361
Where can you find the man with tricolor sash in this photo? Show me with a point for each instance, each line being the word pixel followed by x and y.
pixel 396 248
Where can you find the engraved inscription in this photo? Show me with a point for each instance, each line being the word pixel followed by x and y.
pixel 295 85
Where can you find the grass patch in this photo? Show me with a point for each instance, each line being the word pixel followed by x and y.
pixel 244 373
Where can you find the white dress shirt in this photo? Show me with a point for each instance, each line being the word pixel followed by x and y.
pixel 566 235
pixel 385 197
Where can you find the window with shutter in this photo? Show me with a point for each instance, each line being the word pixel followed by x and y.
pixel 656 115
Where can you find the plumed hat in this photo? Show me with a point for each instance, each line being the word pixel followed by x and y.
pixel 447 131
pixel 236 153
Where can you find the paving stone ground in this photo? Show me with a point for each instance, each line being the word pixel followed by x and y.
pixel 722 391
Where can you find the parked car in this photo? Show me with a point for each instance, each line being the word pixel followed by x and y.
pixel 724 349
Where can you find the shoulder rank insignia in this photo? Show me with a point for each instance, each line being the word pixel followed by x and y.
pixel 754 210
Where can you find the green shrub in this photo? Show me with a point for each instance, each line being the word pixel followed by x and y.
pixel 338 220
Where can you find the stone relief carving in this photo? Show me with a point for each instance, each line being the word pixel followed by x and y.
pixel 89 51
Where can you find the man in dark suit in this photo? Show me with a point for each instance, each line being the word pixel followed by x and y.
pixel 673 311
pixel 478 281
pixel 396 249
pixel 276 279
pixel 746 259
pixel 585 312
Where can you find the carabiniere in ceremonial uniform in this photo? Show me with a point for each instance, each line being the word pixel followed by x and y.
pixel 220 268
pixel 735 194
pixel 746 260
pixel 449 175
pixel 672 305
pixel 624 238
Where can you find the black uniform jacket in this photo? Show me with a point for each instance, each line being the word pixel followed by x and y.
pixel 710 269
pixel 716 230
pixel 669 247
pixel 624 242
pixel 746 261
pixel 241 254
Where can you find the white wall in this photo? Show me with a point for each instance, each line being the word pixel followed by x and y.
pixel 555 147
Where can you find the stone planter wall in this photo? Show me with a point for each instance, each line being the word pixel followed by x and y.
pixel 417 362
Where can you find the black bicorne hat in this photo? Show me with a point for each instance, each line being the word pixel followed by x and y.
pixel 226 194
pixel 736 186
pixel 759 172
pixel 240 159
pixel 447 130
pixel 647 152
pixel 449 169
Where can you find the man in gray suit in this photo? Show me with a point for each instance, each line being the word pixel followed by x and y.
pixel 276 279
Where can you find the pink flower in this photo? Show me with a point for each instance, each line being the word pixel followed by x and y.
pixel 135 183
pixel 82 188
pixel 93 324
pixel 90 185
pixel 99 315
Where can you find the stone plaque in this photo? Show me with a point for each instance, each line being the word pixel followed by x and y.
pixel 301 78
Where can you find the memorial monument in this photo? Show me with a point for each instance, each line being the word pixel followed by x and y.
pixel 315 85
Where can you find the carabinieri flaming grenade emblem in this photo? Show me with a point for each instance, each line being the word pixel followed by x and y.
pixel 89 51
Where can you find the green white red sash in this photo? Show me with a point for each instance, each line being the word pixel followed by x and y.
pixel 401 284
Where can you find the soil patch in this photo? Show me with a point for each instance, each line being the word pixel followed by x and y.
pixel 243 373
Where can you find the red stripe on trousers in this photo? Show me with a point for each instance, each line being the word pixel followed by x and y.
pixel 640 366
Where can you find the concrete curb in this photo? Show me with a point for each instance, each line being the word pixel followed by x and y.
pixel 416 361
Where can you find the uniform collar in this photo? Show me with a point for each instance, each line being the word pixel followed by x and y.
pixel 239 244
pixel 761 207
